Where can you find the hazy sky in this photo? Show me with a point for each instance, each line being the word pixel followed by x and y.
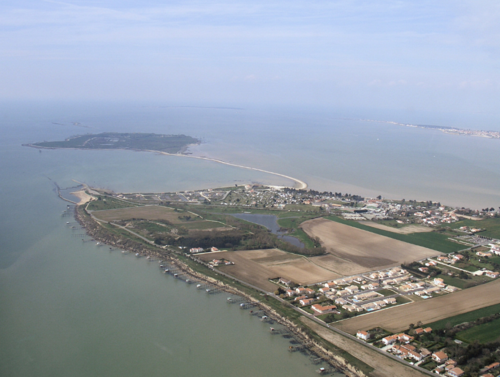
pixel 419 55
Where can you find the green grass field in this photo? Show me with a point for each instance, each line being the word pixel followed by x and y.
pixel 485 333
pixel 465 317
pixel 431 240
pixel 448 280
pixel 491 226
pixel 200 225
pixel 107 202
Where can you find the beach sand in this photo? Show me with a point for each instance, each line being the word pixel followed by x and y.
pixel 83 196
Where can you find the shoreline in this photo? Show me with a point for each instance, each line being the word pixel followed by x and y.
pixel 336 361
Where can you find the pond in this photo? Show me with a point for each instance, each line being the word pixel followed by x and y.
pixel 271 223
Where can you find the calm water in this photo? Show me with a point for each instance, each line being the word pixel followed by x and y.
pixel 271 223
pixel 71 309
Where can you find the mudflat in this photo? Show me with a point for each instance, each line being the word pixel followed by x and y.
pixel 353 251
pixel 399 318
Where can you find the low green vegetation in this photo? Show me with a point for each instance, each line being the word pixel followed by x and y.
pixel 106 202
pixel 465 317
pixel 491 226
pixel 115 140
pixel 431 240
pixel 485 333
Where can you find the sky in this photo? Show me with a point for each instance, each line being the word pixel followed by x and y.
pixel 421 55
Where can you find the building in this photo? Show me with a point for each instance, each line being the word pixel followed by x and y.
pixel 285 282
pixel 439 357
pixel 306 301
pixel 323 309
pixel 363 335
pixel 455 372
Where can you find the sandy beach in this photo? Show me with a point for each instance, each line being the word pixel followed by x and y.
pixel 83 196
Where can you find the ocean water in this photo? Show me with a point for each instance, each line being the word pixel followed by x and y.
pixel 71 309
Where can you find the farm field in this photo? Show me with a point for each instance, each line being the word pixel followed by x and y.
pixel 431 240
pixel 399 318
pixel 485 333
pixel 257 266
pixel 465 317
pixel 403 230
pixel 353 251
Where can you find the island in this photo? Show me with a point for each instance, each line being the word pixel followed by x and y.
pixel 115 140
pixel 370 285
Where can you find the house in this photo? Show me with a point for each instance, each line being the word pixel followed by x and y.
pixel 290 292
pixel 330 285
pixel 439 357
pixel 390 300
pixel 419 331
pixel 306 301
pixel 492 274
pixel 456 372
pixel 427 330
pixel 196 250
pixel 299 298
pixel 228 262
pixel 323 309
pixel 352 289
pixel 487 375
pixel 324 290
pixel 341 301
pixel 490 367
pixel 214 249
pixel 363 335
pixel 389 339
pixel 285 282
pixel 439 282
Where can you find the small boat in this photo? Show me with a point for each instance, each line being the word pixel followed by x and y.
pixel 175 275
pixel 67 222
pixel 208 290
pixel 123 251
pixel 137 254
pixel 97 244
pixel 187 280
pixel 229 299
pixel 198 286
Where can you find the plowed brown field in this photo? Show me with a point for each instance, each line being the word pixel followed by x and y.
pixel 353 251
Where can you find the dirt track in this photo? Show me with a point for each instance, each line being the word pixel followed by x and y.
pixel 427 311
pixel 384 366
pixel 353 251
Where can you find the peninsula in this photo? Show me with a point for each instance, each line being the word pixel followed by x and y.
pixel 445 129
pixel 371 290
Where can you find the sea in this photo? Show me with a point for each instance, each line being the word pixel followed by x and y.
pixel 71 308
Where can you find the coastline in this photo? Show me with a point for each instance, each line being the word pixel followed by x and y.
pixel 94 229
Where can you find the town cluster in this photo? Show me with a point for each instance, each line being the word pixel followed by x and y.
pixel 363 293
